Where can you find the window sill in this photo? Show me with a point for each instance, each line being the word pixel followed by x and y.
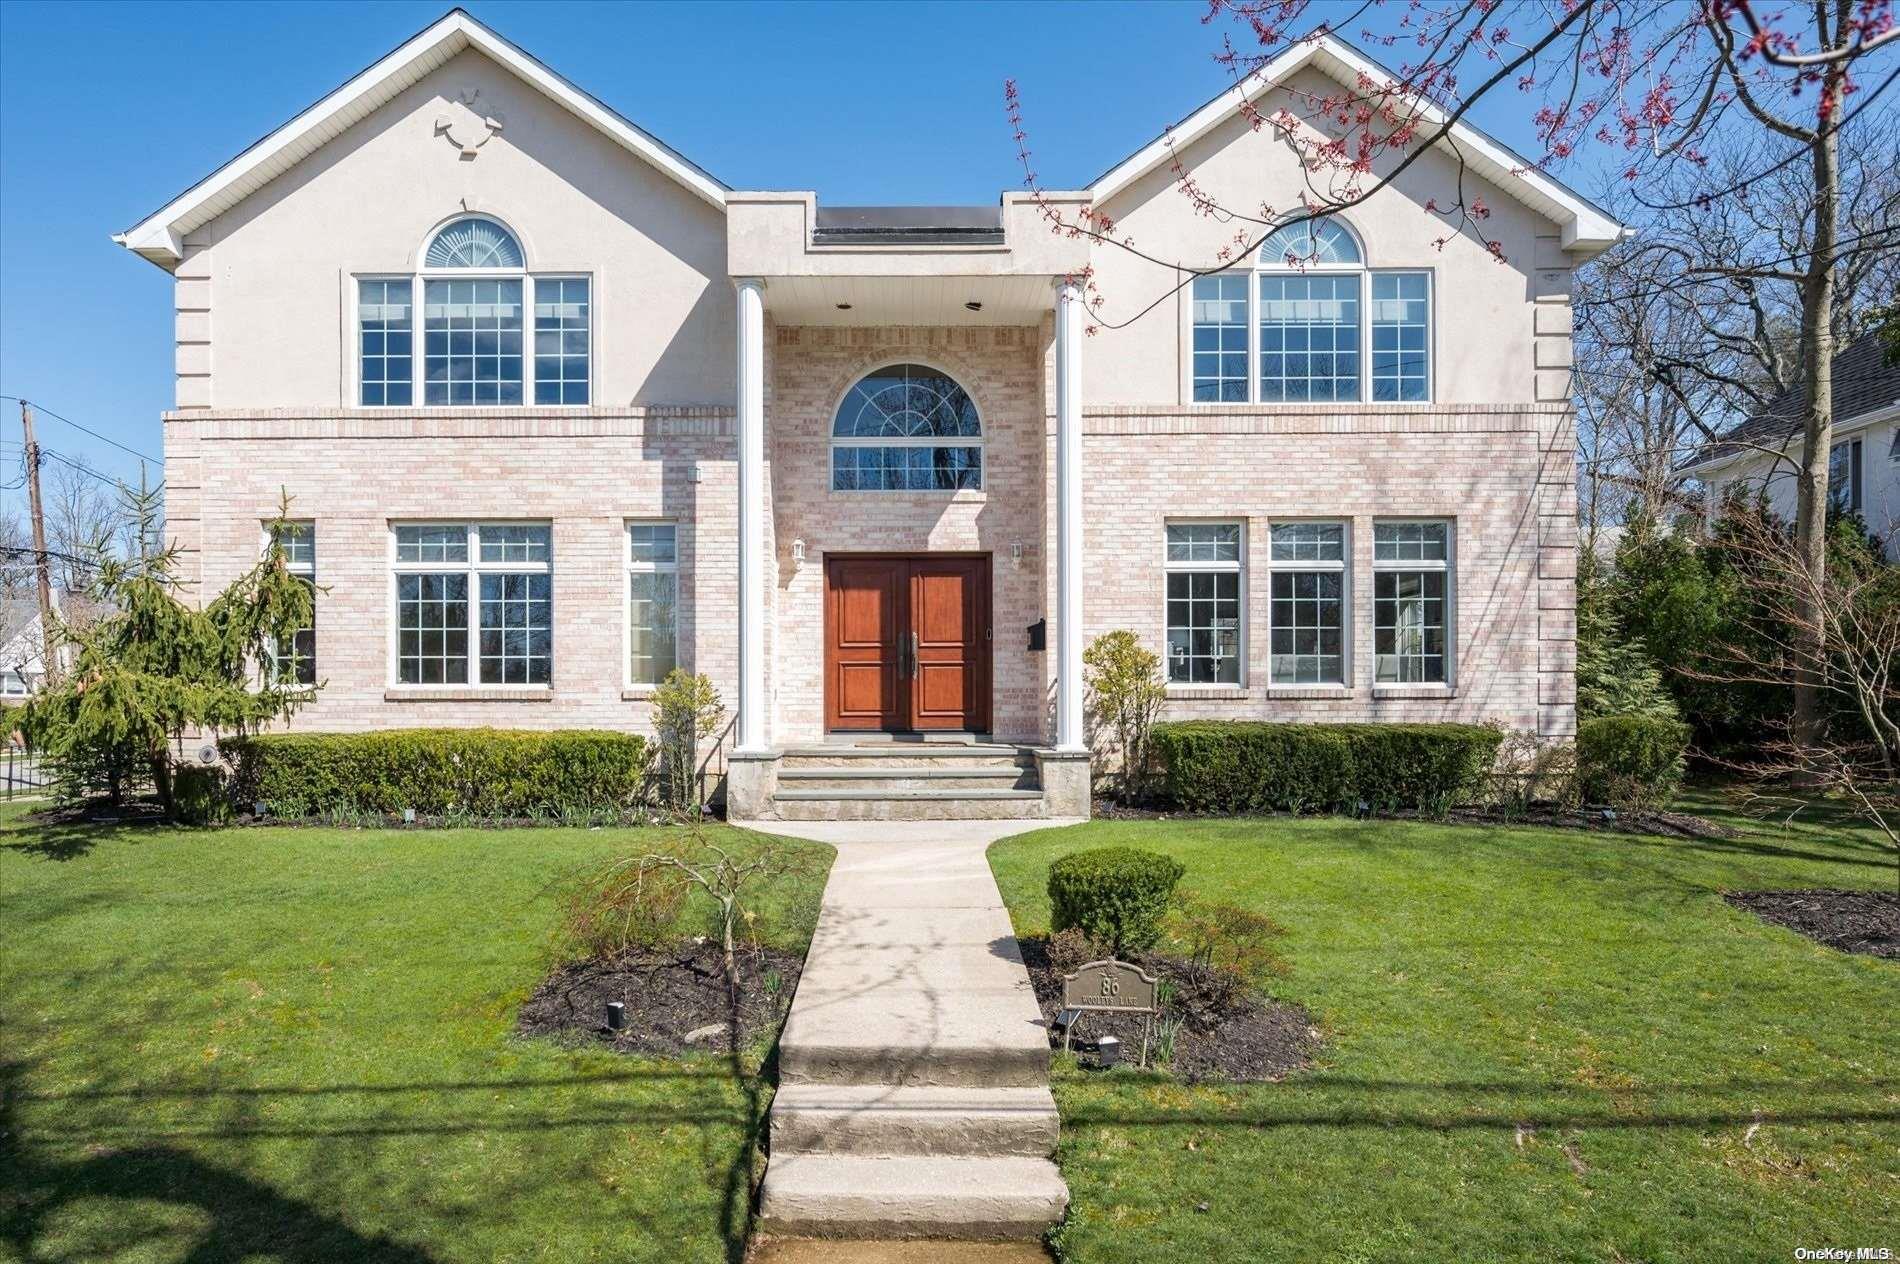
pixel 1208 693
pixel 457 693
pixel 1316 692
pixel 638 693
pixel 1414 691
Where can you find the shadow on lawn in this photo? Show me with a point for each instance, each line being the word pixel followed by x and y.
pixel 63 840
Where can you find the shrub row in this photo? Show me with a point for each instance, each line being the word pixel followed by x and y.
pixel 495 773
pixel 1237 766
pixel 1631 760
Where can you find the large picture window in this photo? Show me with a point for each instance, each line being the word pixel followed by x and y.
pixel 652 601
pixel 1203 565
pixel 1306 629
pixel 474 293
pixel 906 427
pixel 1411 602
pixel 480 592
pixel 1296 326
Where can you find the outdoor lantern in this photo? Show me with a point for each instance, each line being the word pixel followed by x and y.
pixel 616 1016
pixel 798 552
pixel 1108 1051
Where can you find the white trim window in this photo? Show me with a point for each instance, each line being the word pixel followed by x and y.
pixel 906 428
pixel 1412 599
pixel 1843 477
pixel 1307 603
pixel 297 664
pixel 475 289
pixel 473 603
pixel 652 601
pixel 1295 327
pixel 1203 564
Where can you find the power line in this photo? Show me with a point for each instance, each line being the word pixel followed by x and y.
pixel 44 411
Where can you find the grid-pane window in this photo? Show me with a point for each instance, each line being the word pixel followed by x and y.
pixel 1203 603
pixel 912 469
pixel 1843 477
pixel 384 333
pixel 474 604
pixel 906 427
pixel 1220 339
pixel 560 340
pixel 1401 336
pixel 1411 604
pixel 472 341
pixel 297 659
pixel 1309 337
pixel 1306 628
pixel 652 601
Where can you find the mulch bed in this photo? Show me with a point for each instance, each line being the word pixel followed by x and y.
pixel 1227 1032
pixel 1866 922
pixel 1658 821
pixel 676 999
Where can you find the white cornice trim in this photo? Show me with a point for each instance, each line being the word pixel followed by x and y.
pixel 1587 231
pixel 160 236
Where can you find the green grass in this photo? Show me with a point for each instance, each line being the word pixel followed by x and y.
pixel 296 1045
pixel 1542 1044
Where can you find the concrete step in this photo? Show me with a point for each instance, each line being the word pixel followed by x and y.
pixel 957 777
pixel 906 805
pixel 887 1120
pixel 859 1196
pixel 907 755
pixel 898 1033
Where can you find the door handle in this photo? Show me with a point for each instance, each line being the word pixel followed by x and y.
pixel 907 655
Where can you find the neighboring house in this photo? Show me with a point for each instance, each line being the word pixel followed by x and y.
pixel 22 647
pixel 562 411
pixel 1863 464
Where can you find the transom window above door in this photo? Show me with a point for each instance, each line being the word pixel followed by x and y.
pixel 476 296
pixel 906 427
pixel 1309 322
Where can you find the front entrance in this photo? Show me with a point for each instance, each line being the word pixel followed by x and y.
pixel 907 643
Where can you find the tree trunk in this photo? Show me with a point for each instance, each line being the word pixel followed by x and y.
pixel 1817 354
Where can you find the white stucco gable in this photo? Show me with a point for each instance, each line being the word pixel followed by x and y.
pixel 160 236
pixel 1586 230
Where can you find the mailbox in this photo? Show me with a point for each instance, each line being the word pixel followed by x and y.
pixel 1038 636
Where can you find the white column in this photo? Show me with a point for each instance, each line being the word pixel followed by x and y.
pixel 750 734
pixel 1069 317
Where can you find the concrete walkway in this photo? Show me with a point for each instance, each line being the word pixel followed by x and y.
pixel 914 1068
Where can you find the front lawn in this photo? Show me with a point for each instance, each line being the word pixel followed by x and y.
pixel 1541 1044
pixel 296 1045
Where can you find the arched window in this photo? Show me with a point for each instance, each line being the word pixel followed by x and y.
pixel 1299 326
pixel 476 292
pixel 906 427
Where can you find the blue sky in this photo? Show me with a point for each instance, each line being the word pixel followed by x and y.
pixel 109 110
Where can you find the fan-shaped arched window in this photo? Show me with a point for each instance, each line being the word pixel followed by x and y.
pixel 906 427
pixel 473 243
pixel 475 293
pixel 1298 327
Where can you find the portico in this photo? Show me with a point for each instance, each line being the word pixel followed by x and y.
pixel 909 482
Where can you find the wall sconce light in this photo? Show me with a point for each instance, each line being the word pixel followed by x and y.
pixel 798 553
pixel 1016 552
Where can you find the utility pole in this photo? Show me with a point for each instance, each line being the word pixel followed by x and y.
pixel 49 663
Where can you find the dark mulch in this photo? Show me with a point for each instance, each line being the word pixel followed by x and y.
pixel 676 999
pixel 1853 921
pixel 1658 821
pixel 1228 1031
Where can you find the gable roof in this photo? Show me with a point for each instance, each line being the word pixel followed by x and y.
pixel 160 236
pixel 1587 228
pixel 1865 383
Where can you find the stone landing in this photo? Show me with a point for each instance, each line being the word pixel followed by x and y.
pixel 914 1067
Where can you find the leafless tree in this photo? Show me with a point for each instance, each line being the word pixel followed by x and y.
pixel 85 523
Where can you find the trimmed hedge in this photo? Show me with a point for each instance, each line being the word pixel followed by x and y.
pixel 1241 766
pixel 496 773
pixel 1633 760
pixel 1117 895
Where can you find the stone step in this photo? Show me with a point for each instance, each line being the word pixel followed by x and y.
pixel 906 755
pixel 899 1033
pixel 859 1196
pixel 882 1119
pixel 982 804
pixel 958 777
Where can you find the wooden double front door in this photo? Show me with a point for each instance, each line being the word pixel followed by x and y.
pixel 907 643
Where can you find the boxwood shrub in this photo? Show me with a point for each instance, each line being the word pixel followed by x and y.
pixel 495 773
pixel 1117 895
pixel 1631 760
pixel 1241 766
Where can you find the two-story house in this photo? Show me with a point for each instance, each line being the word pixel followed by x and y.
pixel 559 411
